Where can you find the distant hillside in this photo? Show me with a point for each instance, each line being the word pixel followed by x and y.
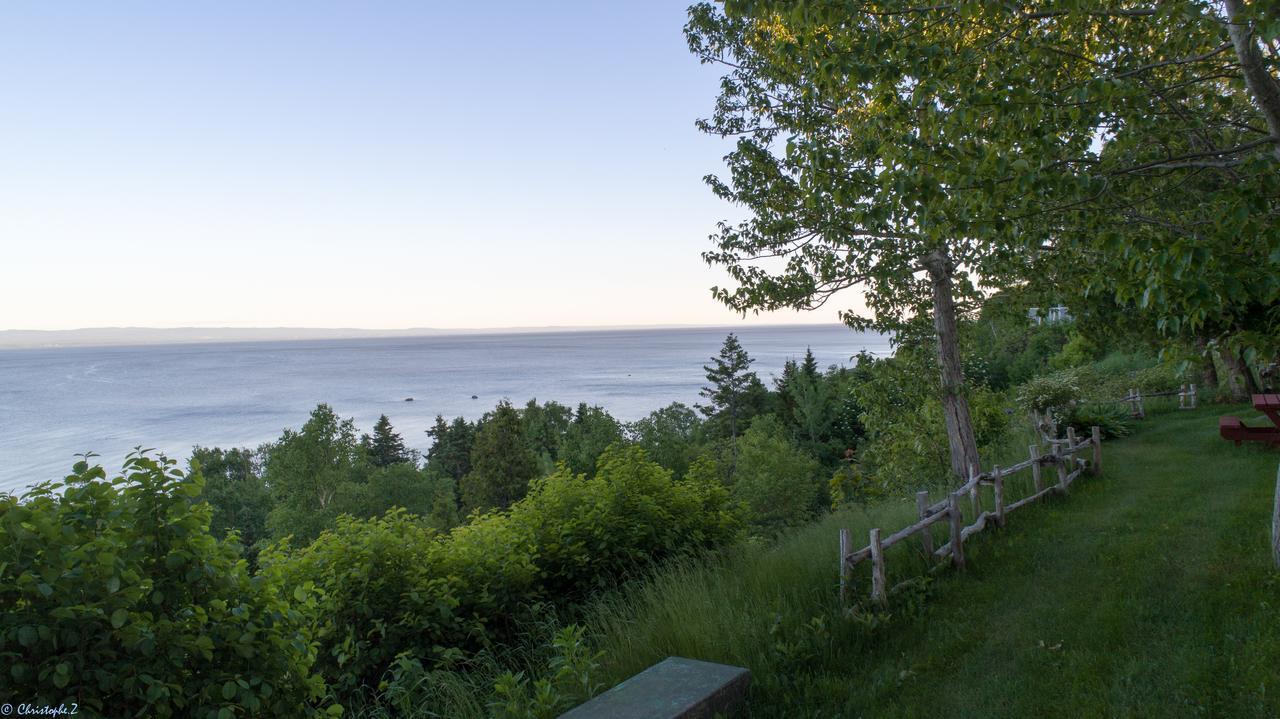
pixel 107 336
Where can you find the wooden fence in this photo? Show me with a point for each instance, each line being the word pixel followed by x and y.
pixel 1063 457
pixel 1186 395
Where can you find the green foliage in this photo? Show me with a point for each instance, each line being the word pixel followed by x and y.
pixel 570 679
pixel 386 446
pixel 235 491
pixel 450 453
pixel 1112 419
pixel 394 591
pixel 381 594
pixel 1079 350
pixel 776 481
pixel 669 436
pixel 849 485
pixel 586 438
pixel 118 598
pixel 734 394
pixel 1060 584
pixel 313 474
pixel 589 531
pixel 545 427
pixel 1052 393
pixel 502 464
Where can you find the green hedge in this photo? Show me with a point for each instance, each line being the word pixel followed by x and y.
pixel 393 588
pixel 117 598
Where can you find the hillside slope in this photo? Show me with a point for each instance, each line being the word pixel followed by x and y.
pixel 1147 592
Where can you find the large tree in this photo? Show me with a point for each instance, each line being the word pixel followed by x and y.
pixel 314 474
pixel 386 446
pixel 502 464
pixel 919 150
pixel 732 386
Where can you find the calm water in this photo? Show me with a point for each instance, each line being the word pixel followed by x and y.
pixel 57 402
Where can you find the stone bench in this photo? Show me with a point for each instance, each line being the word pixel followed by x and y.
pixel 674 688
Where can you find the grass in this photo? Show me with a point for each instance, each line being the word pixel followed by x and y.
pixel 1148 592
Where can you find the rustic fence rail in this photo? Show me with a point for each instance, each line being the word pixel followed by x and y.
pixel 1063 455
pixel 1187 399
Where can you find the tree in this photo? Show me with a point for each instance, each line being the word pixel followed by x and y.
pixel 386 447
pixel 669 436
pixel 732 384
pixel 450 451
pixel 777 481
pixel 313 474
pixel 919 150
pixel 234 489
pixel 587 437
pixel 546 425
pixel 502 465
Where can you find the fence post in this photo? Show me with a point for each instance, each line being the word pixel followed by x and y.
pixel 957 537
pixel 1193 395
pixel 997 483
pixel 1182 397
pixel 1097 450
pixel 877 567
pixel 926 534
pixel 1035 467
pixel 845 550
pixel 1142 410
pixel 1061 461
pixel 974 496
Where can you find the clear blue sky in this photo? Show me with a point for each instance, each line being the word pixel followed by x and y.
pixel 355 164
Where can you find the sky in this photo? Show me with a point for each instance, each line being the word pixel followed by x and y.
pixel 345 164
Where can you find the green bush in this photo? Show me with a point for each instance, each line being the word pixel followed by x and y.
pixel 117 597
pixel 1111 419
pixel 777 482
pixel 1052 393
pixel 395 592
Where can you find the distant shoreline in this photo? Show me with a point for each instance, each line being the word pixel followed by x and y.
pixel 144 336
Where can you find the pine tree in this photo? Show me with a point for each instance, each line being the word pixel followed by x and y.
pixel 809 368
pixel 387 446
pixel 502 464
pixel 731 385
pixel 450 452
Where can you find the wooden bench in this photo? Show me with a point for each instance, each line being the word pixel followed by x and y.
pixel 674 688
pixel 1231 428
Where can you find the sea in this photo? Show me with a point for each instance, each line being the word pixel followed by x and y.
pixel 58 402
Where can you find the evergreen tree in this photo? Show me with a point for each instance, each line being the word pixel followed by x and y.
pixel 733 386
pixel 502 465
pixel 809 367
pixel 588 436
pixel 386 447
pixel 450 453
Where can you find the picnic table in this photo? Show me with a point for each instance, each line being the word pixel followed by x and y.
pixel 1233 429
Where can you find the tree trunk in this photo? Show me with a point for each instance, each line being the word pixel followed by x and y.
pixel 1208 370
pixel 1238 376
pixel 955 406
pixel 1264 88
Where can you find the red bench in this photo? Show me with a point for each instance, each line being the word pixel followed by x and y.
pixel 1233 429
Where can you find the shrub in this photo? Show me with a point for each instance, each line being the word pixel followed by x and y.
pixel 589 532
pixel 778 483
pixel 395 592
pixel 1111 419
pixel 1052 393
pixel 116 596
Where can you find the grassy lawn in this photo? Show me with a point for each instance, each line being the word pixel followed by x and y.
pixel 1148 592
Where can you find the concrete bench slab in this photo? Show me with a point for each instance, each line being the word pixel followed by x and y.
pixel 674 688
